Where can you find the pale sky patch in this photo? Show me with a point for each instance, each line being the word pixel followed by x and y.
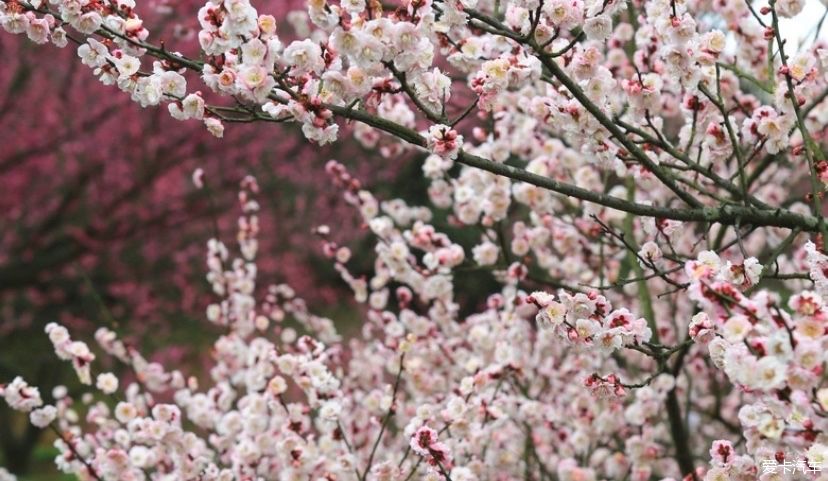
pixel 803 26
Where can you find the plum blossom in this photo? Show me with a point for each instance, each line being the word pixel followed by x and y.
pixel 75 351
pixel 598 27
pixel 486 253
pixel 444 141
pixel 304 56
pixel 107 383
pixel 214 126
pixel 20 396
pixel 650 253
pixel 747 273
pixel 42 417
pixel 702 329
pixel 424 442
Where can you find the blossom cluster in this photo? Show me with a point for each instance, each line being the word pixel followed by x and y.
pixel 454 394
pixel 644 191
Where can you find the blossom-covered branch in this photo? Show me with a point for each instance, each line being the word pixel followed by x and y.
pixel 644 189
